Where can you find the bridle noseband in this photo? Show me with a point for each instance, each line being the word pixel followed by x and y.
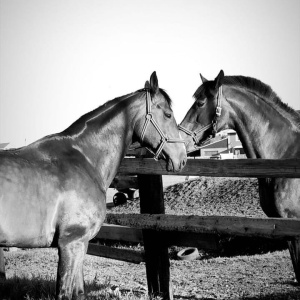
pixel 213 124
pixel 149 118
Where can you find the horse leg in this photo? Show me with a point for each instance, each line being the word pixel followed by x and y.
pixel 282 191
pixel 79 280
pixel 266 197
pixel 69 273
pixel 294 247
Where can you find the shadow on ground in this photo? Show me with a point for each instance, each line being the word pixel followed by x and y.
pixel 34 288
pixel 233 246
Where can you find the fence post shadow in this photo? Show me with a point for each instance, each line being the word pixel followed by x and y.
pixel 156 251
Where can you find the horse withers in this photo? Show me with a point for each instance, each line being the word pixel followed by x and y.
pixel 53 191
pixel 266 127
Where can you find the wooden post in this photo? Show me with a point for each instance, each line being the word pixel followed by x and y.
pixel 156 251
pixel 2 265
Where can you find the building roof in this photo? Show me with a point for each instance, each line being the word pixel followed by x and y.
pixel 218 144
pixel 3 145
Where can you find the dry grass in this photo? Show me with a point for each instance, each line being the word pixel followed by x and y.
pixel 31 274
pixel 36 287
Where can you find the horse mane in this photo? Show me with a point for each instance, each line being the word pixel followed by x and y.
pixel 264 91
pixel 107 105
pixel 166 96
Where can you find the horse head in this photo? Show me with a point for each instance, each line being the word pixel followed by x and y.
pixel 205 117
pixel 158 131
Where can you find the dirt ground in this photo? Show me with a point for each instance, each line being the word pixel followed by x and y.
pixel 206 196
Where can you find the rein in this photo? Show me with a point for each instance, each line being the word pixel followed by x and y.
pixel 213 124
pixel 149 118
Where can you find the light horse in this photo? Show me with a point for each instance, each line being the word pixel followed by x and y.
pixel 53 191
pixel 266 127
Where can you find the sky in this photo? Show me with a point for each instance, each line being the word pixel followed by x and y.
pixel 61 59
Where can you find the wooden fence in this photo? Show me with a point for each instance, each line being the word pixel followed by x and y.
pixel 158 231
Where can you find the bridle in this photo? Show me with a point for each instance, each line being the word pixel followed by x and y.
pixel 149 118
pixel 213 124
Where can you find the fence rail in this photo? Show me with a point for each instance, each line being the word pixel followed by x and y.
pixel 115 233
pixel 257 168
pixel 223 225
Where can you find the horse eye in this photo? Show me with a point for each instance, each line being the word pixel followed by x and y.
pixel 200 103
pixel 168 115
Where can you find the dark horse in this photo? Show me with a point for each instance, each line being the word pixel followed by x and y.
pixel 267 128
pixel 53 191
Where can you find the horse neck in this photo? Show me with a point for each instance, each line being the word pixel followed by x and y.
pixel 105 135
pixel 263 130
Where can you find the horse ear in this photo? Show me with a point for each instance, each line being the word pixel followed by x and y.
pixel 154 82
pixel 203 79
pixel 147 85
pixel 219 79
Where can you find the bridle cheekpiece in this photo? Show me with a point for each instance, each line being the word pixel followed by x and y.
pixel 149 118
pixel 213 124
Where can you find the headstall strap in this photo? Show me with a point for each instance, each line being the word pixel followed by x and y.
pixel 149 118
pixel 213 124
pixel 218 112
pixel 148 115
pixel 219 108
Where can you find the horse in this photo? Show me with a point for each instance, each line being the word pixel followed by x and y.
pixel 53 191
pixel 266 127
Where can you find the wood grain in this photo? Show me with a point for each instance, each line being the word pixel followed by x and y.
pixel 257 168
pixel 238 226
